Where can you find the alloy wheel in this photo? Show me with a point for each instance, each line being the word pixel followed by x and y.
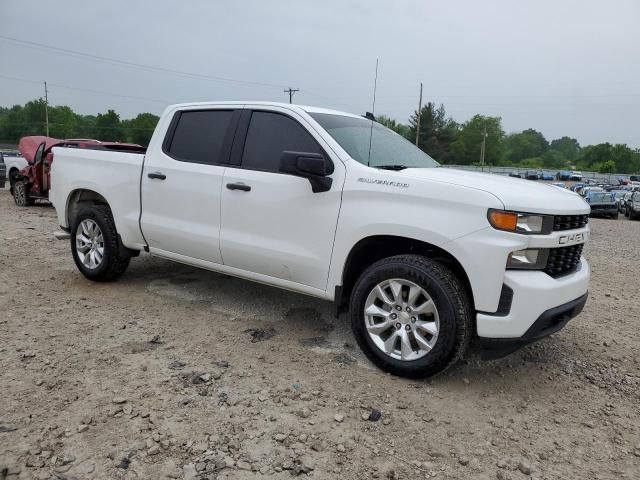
pixel 401 319
pixel 90 244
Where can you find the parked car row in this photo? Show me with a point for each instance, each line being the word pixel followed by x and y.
pixel 610 200
pixel 534 175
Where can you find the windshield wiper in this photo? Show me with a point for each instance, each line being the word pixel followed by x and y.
pixel 391 167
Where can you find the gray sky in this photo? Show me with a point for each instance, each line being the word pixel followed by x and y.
pixel 564 67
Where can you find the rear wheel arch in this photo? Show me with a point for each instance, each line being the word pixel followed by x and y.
pixel 370 250
pixel 82 197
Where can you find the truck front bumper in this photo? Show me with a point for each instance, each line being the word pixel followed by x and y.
pixel 541 305
pixel 549 322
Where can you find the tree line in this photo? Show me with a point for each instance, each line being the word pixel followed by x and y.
pixel 29 119
pixel 450 142
pixel 446 140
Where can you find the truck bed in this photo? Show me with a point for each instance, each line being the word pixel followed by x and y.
pixel 114 175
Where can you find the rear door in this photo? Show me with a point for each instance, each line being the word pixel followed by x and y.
pixel 272 222
pixel 181 184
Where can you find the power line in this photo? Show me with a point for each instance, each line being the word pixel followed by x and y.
pixel 141 66
pixel 87 90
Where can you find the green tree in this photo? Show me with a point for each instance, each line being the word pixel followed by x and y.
pixel 568 147
pixel 468 145
pixel 607 167
pixel 140 128
pixel 19 121
pixel 85 126
pixel 399 128
pixel 437 132
pixel 108 127
pixel 554 159
pixel 594 157
pixel 526 144
pixel 62 122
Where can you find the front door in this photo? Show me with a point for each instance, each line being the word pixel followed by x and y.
pixel 272 223
pixel 181 184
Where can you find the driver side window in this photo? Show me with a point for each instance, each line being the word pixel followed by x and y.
pixel 269 135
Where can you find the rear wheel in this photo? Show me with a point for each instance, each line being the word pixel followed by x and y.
pixel 411 316
pixel 21 193
pixel 94 244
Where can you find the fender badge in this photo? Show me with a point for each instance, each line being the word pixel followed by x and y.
pixel 383 182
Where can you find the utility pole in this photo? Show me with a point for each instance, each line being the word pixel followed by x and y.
pixel 419 115
pixel 46 108
pixel 291 91
pixel 484 141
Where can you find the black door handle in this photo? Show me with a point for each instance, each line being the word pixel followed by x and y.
pixel 239 186
pixel 157 175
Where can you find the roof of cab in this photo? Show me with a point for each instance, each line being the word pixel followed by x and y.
pixel 294 107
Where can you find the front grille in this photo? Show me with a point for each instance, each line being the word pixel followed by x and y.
pixel 569 222
pixel 563 260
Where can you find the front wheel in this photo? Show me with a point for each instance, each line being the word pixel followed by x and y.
pixel 21 193
pixel 95 246
pixel 411 316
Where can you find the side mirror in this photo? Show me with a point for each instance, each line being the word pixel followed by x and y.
pixel 312 166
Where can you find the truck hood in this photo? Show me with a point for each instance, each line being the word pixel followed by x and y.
pixel 514 193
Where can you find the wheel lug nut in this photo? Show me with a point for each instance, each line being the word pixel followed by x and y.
pixel 398 325
pixel 393 316
pixel 398 307
pixel 407 328
pixel 413 319
pixel 408 309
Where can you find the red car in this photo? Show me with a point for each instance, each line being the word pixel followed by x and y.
pixel 34 180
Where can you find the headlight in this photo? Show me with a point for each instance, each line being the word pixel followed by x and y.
pixel 516 222
pixel 531 258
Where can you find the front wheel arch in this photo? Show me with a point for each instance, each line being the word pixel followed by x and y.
pixel 369 250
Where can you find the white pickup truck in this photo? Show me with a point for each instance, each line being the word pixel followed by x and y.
pixel 336 206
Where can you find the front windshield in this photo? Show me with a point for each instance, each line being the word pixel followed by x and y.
pixel 601 197
pixel 370 143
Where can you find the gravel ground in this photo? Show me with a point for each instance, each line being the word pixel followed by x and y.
pixel 174 372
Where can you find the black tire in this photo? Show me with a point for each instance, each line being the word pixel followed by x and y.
pixel 450 298
pixel 20 193
pixel 114 261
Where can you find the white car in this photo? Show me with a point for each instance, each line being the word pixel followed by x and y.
pixel 14 163
pixel 338 207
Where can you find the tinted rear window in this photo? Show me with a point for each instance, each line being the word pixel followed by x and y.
pixel 199 136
